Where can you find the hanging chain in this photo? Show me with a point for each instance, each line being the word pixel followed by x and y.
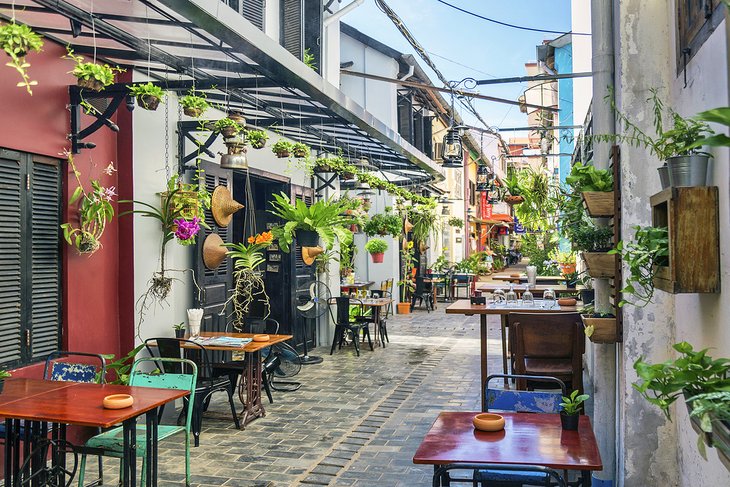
pixel 168 171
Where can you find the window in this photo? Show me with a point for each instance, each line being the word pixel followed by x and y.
pixel 251 10
pixel 696 20
pixel 301 28
pixel 30 288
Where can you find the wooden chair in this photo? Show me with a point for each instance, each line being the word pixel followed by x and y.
pixel 547 345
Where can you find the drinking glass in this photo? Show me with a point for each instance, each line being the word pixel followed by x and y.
pixel 496 298
pixel 548 298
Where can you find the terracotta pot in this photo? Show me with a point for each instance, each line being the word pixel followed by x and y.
pixel 377 258
pixel 404 308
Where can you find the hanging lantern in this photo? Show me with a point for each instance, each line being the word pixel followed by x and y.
pixel 452 151
pixel 364 190
pixel 483 178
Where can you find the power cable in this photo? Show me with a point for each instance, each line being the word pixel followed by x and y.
pixel 513 26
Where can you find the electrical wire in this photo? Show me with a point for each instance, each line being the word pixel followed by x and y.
pixel 505 24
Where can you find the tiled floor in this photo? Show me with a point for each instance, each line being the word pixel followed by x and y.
pixel 356 421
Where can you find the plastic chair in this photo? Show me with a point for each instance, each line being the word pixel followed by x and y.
pixel 111 442
pixel 343 323
pixel 442 473
pixel 207 381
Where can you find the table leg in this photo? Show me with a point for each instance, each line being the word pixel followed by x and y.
pixel 376 332
pixel 252 406
pixel 585 476
pixel 483 342
pixel 129 457
pixel 10 445
pixel 151 466
pixel 503 323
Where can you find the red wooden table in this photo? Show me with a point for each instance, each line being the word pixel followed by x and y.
pixel 39 402
pixel 527 439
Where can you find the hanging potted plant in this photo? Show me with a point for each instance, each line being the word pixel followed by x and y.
pixel 646 256
pixel 4 374
pixel 282 148
pixel 17 40
pixel 227 127
pixel 565 260
pixel 387 223
pixel 249 284
pixel 95 211
pixel 92 76
pixel 513 185
pixel 236 116
pixel 148 95
pixel 257 138
pixel 599 327
pixel 376 247
pixel 194 104
pixel 594 243
pixel 456 222
pixel 406 284
pixel 300 150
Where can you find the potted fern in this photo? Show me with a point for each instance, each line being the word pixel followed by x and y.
pixel 92 76
pixel 17 40
pixel 376 247
pixel 148 95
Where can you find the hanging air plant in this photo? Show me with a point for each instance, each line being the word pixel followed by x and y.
pixel 17 40
pixel 249 283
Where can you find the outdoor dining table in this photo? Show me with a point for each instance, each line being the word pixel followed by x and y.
pixel 523 278
pixel 355 286
pixel 537 290
pixel 39 402
pixel 464 307
pixel 527 439
pixel 253 407
pixel 377 304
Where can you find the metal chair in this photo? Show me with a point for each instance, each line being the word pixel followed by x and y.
pixel 423 294
pixel 110 443
pixel 461 281
pixel 383 319
pixel 441 474
pixel 344 323
pixel 523 402
pixel 207 382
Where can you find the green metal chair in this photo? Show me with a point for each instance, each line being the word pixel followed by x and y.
pixel 111 442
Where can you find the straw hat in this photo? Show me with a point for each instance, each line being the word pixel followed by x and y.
pixel 213 251
pixel 407 226
pixel 223 206
pixel 309 254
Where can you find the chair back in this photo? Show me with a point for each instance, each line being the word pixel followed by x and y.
pixel 261 325
pixel 420 286
pixel 58 369
pixel 172 348
pixel 442 472
pixel 185 379
pixel 523 401
pixel 384 285
pixel 341 313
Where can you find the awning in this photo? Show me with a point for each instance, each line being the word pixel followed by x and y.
pixel 205 40
pixel 497 218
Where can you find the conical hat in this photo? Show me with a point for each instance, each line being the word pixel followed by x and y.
pixel 223 206
pixel 309 254
pixel 407 226
pixel 213 251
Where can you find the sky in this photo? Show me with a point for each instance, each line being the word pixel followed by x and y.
pixel 464 46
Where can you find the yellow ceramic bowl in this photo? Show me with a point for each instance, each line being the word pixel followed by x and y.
pixel 118 401
pixel 261 338
pixel 488 422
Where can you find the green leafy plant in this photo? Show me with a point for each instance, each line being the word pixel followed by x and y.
pixel 282 148
pixel 300 150
pixel 92 75
pixel 572 404
pixel 387 223
pixel 257 138
pixel 717 115
pixel 424 222
pixel 590 238
pixel 249 284
pixel 227 123
pixel 442 264
pixel 195 103
pixel 347 257
pixel 649 250
pixel 17 40
pixel 120 367
pixel 95 211
pixel 585 177
pixel 456 222
pixel 148 94
pixel 322 261
pixel 376 246
pixel 309 60
pixel 4 374
pixel 562 257
pixel 512 183
pixel 408 261
pixel 179 326
pixel 324 217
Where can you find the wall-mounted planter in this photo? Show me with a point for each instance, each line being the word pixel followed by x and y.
pixel 600 330
pixel 600 264
pixel 692 217
pixel 599 203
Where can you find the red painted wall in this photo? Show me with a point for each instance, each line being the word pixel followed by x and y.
pixel 40 124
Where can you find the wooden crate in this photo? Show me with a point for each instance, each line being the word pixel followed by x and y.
pixel 600 264
pixel 600 204
pixel 600 330
pixel 692 217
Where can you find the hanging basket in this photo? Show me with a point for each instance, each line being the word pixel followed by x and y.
pixel 600 330
pixel 513 200
pixel 193 112
pixel 90 84
pixel 148 102
pixel 600 264
pixel 283 154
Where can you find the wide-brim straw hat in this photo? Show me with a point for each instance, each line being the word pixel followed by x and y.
pixel 223 206
pixel 213 251
pixel 310 253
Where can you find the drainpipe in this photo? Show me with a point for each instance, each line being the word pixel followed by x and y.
pixel 602 367
pixel 326 24
pixel 343 11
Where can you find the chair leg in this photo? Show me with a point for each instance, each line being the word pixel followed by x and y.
pixel 197 419
pixel 187 459
pixel 82 466
pixel 357 345
pixel 101 471
pixel 367 330
pixel 267 386
pixel 384 329
pixel 233 409
pixel 334 339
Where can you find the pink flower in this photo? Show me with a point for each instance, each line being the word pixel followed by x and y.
pixel 109 169
pixel 109 193
pixel 187 229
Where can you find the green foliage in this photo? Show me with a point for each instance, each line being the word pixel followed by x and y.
pixel 442 264
pixel 322 261
pixel 717 115
pixel 248 283
pixel 541 202
pixel 572 404
pixel 694 372
pixel 17 40
pixel 147 89
pixel 590 238
pixel 424 222
pixel 537 247
pixel 408 262
pixel 179 326
pixel 300 150
pixel 512 183
pixel 476 263
pixel 376 246
pixel 227 123
pixel 191 199
pixel 324 217
pixel 347 257
pixel 585 177
pixel 387 223
pixel 103 73
pixel 195 100
pixel 4 374
pixel 120 367
pixel 649 250
pixel 257 138
pixel 282 146
pixel 309 59
pixel 562 257
pixel 456 222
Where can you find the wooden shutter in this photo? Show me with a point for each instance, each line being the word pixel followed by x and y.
pixel 10 257
pixel 44 256
pixel 253 11
pixel 292 27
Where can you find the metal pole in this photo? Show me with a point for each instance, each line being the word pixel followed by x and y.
pixel 604 369
pixel 539 77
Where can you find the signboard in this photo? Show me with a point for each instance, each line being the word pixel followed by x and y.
pixel 486 207
pixel 519 229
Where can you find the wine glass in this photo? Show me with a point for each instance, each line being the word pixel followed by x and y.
pixel 510 297
pixel 548 298
pixel 497 298
pixel 528 300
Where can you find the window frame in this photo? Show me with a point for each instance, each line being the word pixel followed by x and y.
pixel 693 36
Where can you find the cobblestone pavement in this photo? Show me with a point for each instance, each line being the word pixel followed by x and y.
pixel 356 421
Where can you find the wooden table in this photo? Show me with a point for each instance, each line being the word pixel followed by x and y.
pixel 356 286
pixel 434 281
pixel 464 307
pixel 527 439
pixel 253 407
pixel 39 402
pixel 537 290
pixel 376 304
